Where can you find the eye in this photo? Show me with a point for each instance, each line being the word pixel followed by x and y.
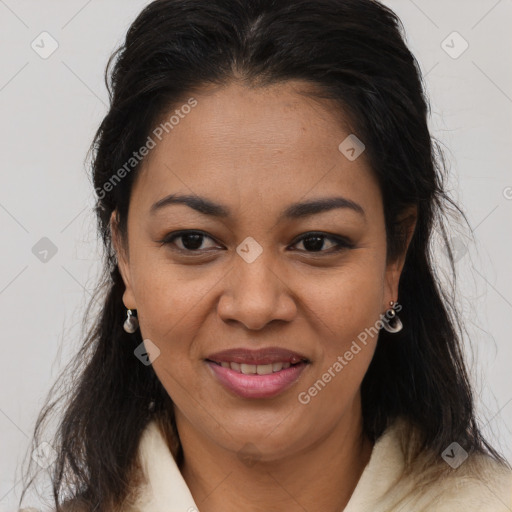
pixel 191 241
pixel 314 242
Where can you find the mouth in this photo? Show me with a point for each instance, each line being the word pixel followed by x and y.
pixel 257 369
pixel 262 373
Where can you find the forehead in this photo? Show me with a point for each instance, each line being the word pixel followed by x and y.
pixel 271 143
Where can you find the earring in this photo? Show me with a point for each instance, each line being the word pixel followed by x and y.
pixel 131 323
pixel 390 320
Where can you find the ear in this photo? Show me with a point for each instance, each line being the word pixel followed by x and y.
pixel 406 225
pixel 123 262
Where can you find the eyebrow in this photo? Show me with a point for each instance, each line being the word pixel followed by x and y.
pixel 294 211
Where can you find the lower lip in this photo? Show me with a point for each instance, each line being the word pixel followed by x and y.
pixel 257 386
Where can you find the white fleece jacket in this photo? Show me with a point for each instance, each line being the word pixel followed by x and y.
pixel 378 489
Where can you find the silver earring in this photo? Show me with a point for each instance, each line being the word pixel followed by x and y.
pixel 390 320
pixel 131 323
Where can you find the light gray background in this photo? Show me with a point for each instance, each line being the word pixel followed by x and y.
pixel 50 109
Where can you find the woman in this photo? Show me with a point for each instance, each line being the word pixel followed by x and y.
pixel 273 334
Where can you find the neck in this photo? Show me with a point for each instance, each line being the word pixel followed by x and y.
pixel 321 476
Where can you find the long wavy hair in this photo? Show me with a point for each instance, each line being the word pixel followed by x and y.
pixel 350 51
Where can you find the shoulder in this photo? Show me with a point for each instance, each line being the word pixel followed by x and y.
pixel 475 482
pixel 75 505
pixel 71 505
pixel 78 505
pixel 68 506
pixel 479 484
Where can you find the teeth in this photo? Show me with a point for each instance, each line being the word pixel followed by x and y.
pixel 277 366
pixel 256 369
pixel 248 368
pixel 264 369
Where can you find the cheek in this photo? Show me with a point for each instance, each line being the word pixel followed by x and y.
pixel 168 295
pixel 347 305
pixel 174 306
pixel 348 299
pixel 347 337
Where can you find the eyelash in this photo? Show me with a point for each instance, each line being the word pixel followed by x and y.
pixel 341 242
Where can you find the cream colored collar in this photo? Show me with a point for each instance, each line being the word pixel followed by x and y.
pixel 167 490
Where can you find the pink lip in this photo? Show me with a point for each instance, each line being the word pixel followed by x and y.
pixel 257 386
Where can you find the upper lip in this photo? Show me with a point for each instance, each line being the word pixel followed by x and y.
pixel 260 356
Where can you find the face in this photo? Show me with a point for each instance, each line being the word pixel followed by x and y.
pixel 253 272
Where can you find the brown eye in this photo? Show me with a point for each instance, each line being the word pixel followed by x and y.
pixel 190 240
pixel 315 242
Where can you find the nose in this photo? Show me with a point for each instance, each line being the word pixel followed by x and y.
pixel 255 294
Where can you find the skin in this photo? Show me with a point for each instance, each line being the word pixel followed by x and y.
pixel 257 151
